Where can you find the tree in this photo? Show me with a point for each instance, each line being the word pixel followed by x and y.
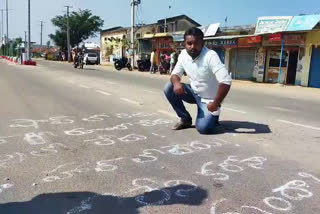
pixel 83 25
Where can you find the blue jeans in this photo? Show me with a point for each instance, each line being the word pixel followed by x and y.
pixel 206 123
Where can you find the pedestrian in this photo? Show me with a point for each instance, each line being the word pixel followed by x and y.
pixel 173 60
pixel 210 83
pixel 153 61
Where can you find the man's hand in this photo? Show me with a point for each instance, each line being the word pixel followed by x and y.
pixel 213 106
pixel 178 89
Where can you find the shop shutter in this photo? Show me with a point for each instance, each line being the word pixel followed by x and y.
pixel 314 78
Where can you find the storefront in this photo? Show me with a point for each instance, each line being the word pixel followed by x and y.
pixel 220 45
pixel 242 58
pixel 162 42
pixel 286 58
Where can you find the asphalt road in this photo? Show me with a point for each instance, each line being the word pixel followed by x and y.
pixel 99 141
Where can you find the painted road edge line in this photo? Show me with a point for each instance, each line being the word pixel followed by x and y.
pixel 103 92
pixel 84 86
pixel 167 113
pixel 299 124
pixel 130 101
pixel 234 110
pixel 111 83
pixel 280 109
pixel 152 92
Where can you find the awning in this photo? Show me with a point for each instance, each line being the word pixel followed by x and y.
pixel 228 37
pixel 303 23
pixel 210 30
pixel 157 35
pixel 178 36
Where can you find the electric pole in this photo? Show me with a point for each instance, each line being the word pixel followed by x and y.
pixel 68 34
pixel 25 40
pixel 2 10
pixel 7 19
pixel 41 36
pixel 29 33
pixel 134 3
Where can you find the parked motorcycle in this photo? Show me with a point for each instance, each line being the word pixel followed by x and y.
pixel 122 63
pixel 144 64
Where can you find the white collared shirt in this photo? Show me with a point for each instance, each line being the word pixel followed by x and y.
pixel 205 72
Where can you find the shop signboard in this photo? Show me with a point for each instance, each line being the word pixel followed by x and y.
pixel 272 24
pixel 221 43
pixel 249 41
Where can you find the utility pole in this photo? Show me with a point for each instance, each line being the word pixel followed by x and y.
pixel 68 34
pixel 7 19
pixel 2 10
pixel 29 33
pixel 25 40
pixel 41 36
pixel 7 38
pixel 134 3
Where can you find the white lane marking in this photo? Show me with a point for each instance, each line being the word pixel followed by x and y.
pixel 234 110
pixel 280 109
pixel 167 113
pixel 84 86
pixel 152 92
pixel 130 101
pixel 299 124
pixel 103 92
pixel 111 83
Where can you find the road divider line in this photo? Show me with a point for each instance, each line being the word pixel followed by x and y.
pixel 167 113
pixel 130 101
pixel 84 86
pixel 103 92
pixel 280 109
pixel 234 110
pixel 152 92
pixel 111 83
pixel 299 124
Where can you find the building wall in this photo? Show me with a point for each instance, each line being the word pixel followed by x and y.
pixel 150 29
pixel 105 43
pixel 313 39
pixel 183 25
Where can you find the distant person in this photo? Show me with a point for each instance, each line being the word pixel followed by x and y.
pixel 173 60
pixel 210 83
pixel 153 61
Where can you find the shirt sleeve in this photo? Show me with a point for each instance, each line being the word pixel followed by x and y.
pixel 219 70
pixel 178 69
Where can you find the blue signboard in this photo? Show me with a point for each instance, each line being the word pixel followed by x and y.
pixel 221 42
pixel 302 23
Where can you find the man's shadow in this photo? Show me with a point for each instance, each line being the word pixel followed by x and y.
pixel 88 202
pixel 239 127
pixel 242 127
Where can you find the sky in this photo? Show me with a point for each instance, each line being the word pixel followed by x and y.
pixel 117 12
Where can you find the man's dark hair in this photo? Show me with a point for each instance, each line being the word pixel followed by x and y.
pixel 196 32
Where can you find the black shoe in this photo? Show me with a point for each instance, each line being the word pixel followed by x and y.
pixel 182 125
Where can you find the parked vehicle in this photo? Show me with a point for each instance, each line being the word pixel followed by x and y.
pixel 144 64
pixel 91 58
pixel 122 63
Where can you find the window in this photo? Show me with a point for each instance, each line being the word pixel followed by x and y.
pixel 275 59
pixel 138 35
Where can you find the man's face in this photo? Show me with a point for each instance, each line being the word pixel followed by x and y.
pixel 193 46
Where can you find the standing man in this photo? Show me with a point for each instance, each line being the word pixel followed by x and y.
pixel 153 62
pixel 210 84
pixel 173 60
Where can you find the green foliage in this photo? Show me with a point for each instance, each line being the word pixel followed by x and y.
pixel 83 25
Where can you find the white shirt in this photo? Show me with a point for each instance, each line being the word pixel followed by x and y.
pixel 205 72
